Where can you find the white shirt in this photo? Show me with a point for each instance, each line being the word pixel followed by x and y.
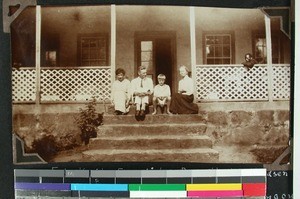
pixel 186 84
pixel 120 88
pixel 162 91
pixel 136 85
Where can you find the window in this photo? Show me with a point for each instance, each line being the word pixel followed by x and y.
pixel 50 50
pixel 260 48
pixel 93 50
pixel 218 48
pixel 50 58
pixel 147 55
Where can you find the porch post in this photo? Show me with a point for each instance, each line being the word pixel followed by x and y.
pixel 113 42
pixel 269 57
pixel 38 55
pixel 193 47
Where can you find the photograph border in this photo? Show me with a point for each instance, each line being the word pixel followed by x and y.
pixel 5 107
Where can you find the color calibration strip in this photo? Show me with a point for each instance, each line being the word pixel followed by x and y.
pixel 222 183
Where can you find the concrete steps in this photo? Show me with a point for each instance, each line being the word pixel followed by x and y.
pixel 151 142
pixel 159 155
pixel 153 119
pixel 159 138
pixel 151 129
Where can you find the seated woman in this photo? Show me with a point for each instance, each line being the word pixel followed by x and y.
pixel 182 102
pixel 120 95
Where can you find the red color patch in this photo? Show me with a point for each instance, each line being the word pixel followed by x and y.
pixel 254 189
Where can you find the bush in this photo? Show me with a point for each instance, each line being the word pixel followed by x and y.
pixel 45 146
pixel 88 121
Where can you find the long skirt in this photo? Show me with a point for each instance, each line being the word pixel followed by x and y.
pixel 119 101
pixel 183 104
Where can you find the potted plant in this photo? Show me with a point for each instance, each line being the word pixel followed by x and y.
pixel 88 121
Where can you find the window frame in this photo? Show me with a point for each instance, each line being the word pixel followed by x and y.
pixel 219 33
pixel 92 35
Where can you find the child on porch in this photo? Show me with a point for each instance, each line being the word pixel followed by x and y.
pixel 120 93
pixel 141 88
pixel 161 95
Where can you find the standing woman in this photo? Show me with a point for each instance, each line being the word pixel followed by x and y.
pixel 182 102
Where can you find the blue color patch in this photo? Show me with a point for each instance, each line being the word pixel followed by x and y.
pixel 99 187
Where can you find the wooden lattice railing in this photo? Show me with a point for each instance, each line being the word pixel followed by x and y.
pixel 213 83
pixel 24 84
pixel 235 83
pixel 68 84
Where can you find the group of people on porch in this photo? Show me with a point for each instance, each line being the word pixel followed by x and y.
pixel 141 90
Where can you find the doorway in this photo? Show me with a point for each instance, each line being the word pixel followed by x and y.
pixel 156 51
pixel 163 60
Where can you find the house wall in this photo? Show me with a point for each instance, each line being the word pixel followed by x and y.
pixel 68 22
pixel 285 41
pixel 23 38
pixel 239 22
pixel 286 48
pixel 132 19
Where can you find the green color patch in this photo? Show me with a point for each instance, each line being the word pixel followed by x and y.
pixel 157 187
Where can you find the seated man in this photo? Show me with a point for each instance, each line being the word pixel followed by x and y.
pixel 161 95
pixel 141 88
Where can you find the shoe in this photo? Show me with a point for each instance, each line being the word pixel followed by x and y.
pixel 137 115
pixel 118 113
pixel 142 115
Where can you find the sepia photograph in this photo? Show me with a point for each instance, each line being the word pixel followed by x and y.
pixel 149 83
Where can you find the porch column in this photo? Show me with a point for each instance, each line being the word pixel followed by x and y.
pixel 38 55
pixel 193 47
pixel 113 41
pixel 269 57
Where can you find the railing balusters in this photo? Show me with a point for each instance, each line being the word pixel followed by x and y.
pixel 235 83
pixel 213 83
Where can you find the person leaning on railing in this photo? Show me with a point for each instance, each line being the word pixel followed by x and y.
pixel 249 61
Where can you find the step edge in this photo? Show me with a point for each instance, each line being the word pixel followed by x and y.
pixel 152 151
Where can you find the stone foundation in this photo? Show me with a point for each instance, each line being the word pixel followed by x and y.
pixel 258 130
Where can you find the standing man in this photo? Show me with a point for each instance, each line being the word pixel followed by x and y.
pixel 141 89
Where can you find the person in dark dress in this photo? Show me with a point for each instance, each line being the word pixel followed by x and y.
pixel 182 102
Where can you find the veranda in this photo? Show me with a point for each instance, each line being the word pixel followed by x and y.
pixel 214 83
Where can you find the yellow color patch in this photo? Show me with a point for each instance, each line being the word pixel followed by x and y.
pixel 213 187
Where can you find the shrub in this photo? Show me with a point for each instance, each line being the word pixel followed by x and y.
pixel 88 121
pixel 45 146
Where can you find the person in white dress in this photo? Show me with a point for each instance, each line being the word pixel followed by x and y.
pixel 161 95
pixel 120 93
